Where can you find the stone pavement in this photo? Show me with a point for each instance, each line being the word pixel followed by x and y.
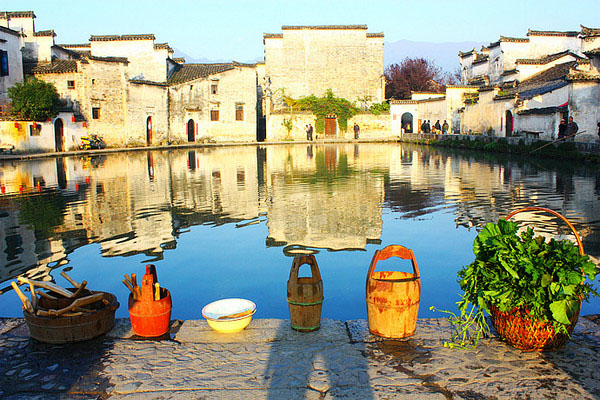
pixel 269 360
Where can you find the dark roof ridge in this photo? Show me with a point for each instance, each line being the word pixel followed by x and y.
pixel 297 27
pixel 107 38
pixel 531 32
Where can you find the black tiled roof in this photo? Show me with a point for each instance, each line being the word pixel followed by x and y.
pixel 542 82
pixel 513 40
pixel 546 59
pixel 108 38
pixel 189 72
pixel 45 33
pixel 317 27
pixel 273 35
pixel 162 46
pixel 74 46
pixel 481 58
pixel 593 52
pixel 10 31
pixel 17 14
pixel 371 35
pixel 54 67
pixel 107 59
pixel 585 31
pixel 552 33
pixel 542 111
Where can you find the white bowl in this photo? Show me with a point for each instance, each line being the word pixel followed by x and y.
pixel 217 312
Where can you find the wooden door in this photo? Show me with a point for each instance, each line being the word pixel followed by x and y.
pixel 330 126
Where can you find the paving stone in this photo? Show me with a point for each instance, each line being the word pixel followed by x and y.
pixel 8 324
pixel 288 364
pixel 261 331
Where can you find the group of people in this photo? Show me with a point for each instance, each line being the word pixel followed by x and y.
pixel 567 131
pixel 437 127
pixel 310 130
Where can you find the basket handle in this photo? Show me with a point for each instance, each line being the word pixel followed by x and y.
pixel 577 238
pixel 300 261
pixel 394 250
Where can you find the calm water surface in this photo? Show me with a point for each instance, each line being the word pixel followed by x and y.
pixel 226 222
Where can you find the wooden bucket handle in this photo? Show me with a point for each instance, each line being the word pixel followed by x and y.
pixel 577 238
pixel 394 250
pixel 300 261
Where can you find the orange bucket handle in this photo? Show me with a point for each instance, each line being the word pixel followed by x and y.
pixel 300 261
pixel 577 238
pixel 394 250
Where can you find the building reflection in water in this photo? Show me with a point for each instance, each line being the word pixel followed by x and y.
pixel 320 196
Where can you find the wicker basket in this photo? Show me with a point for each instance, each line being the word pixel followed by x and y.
pixel 518 329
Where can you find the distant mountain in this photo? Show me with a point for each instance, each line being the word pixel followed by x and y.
pixel 445 55
pixel 202 60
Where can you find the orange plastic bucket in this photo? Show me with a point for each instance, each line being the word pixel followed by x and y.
pixel 393 297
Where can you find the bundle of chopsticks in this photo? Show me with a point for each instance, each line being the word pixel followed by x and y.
pixel 76 308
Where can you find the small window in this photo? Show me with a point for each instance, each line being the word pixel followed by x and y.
pixel 213 88
pixel 239 112
pixel 93 81
pixel 35 130
pixel 214 115
pixel 3 63
pixel 96 113
pixel 70 84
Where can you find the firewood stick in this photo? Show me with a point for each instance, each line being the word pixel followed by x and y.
pixel 80 289
pixel 129 280
pixel 71 280
pixel 133 280
pixel 48 285
pixel 26 303
pixel 80 302
pixel 44 313
pixel 45 295
pixel 34 299
pixel 83 310
pixel 133 292
pixel 157 292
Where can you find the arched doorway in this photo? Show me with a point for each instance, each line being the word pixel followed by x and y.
pixel 190 131
pixel 407 122
pixel 148 131
pixel 59 136
pixel 509 123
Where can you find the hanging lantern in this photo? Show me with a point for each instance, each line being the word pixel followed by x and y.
pixel 84 124
pixel 72 118
pixel 17 125
pixel 34 125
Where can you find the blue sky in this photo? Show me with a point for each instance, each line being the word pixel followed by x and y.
pixel 233 29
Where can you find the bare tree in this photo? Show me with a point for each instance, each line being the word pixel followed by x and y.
pixel 413 74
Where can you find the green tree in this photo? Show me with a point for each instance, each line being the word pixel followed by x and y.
pixel 34 100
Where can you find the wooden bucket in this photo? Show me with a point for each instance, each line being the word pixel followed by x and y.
pixel 59 330
pixel 393 297
pixel 305 295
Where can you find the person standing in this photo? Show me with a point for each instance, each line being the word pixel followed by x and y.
pixel 309 132
pixel 445 127
pixel 562 129
pixel 437 126
pixel 572 129
pixel 356 130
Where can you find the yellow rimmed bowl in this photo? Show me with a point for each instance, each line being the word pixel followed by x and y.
pixel 229 315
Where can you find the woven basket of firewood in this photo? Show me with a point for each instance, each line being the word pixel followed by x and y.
pixel 64 315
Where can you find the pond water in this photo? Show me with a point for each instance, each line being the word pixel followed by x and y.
pixel 226 221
